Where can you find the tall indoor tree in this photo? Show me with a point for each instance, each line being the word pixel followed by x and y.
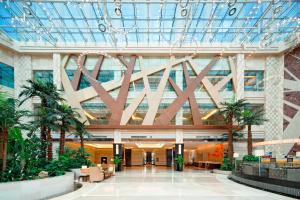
pixel 249 118
pixel 49 96
pixel 66 118
pixel 232 111
pixel 80 132
pixel 46 117
pixel 10 117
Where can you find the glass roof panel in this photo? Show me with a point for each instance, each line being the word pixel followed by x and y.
pixel 150 22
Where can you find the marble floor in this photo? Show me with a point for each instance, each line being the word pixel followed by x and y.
pixel 158 183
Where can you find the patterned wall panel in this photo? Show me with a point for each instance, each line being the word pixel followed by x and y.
pixel 136 74
pixel 23 72
pixel 292 98
pixel 274 102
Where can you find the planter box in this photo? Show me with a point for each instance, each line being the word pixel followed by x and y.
pixel 37 189
pixel 278 174
pixel 293 175
pixel 217 171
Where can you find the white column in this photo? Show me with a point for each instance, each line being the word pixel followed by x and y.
pixel 57 70
pixel 179 136
pixel 240 69
pixel 274 101
pixel 117 136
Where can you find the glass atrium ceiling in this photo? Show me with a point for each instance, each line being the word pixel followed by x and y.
pixel 173 23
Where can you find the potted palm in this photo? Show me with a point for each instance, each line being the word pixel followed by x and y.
pixel 179 163
pixel 117 161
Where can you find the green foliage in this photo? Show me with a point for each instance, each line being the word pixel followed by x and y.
pixel 72 159
pixel 179 160
pixel 250 158
pixel 253 117
pixel 23 160
pixel 117 160
pixel 233 110
pixel 56 168
pixel 227 166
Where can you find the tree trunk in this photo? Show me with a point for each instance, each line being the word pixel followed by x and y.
pixel 230 141
pixel 62 141
pixel 82 145
pixel 49 140
pixel 44 142
pixel 81 142
pixel 250 147
pixel 4 152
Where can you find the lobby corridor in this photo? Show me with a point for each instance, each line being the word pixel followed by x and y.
pixel 156 183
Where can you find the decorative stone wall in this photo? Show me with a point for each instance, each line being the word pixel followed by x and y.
pixel 57 70
pixel 274 102
pixel 240 68
pixel 23 72
pixel 291 98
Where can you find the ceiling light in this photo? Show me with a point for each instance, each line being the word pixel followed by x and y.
pixel 27 10
pixel 89 115
pixel 209 114
pixel 101 146
pixel 118 11
pixel 102 27
pixel 232 11
pixel 184 12
pixel 150 145
pixel 29 3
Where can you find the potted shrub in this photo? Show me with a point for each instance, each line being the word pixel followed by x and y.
pixel 117 161
pixel 179 163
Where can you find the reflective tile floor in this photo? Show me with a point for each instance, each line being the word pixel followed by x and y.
pixel 158 183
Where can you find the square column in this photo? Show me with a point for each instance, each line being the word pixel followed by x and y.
pixel 57 70
pixel 179 150
pixel 274 75
pixel 118 149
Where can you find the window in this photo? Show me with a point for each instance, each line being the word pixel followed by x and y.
pixel 6 75
pixel 105 76
pixel 254 81
pixel 43 75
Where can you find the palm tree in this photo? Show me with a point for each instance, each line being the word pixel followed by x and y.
pixel 9 117
pixel 48 94
pixel 232 112
pixel 46 117
pixel 249 118
pixel 80 132
pixel 67 117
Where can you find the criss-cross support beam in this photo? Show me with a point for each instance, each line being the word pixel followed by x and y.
pixel 171 111
pixel 116 106
pixel 191 98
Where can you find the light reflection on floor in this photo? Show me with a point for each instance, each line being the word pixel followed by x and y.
pixel 162 183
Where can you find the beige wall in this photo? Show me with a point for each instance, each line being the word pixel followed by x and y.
pixel 104 153
pixel 160 157
pixel 137 156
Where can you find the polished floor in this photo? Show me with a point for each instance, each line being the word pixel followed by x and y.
pixel 158 183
